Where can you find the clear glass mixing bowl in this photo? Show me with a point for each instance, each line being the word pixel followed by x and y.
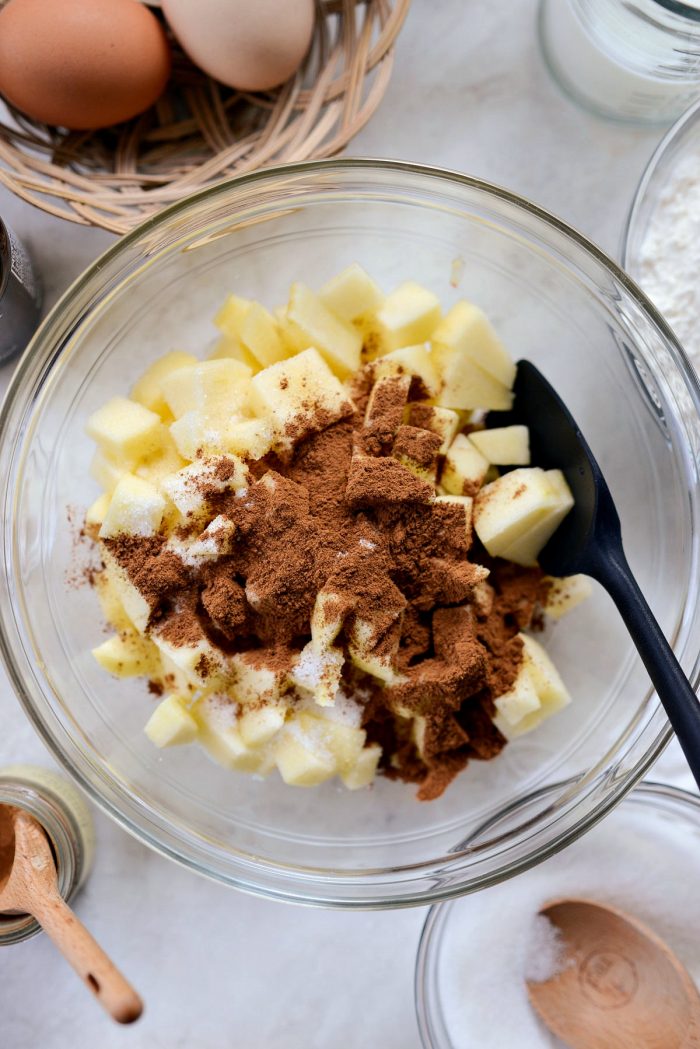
pixel 554 298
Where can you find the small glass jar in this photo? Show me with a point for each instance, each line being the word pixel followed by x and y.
pixel 66 819
pixel 637 61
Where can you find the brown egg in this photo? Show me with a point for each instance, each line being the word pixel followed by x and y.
pixel 81 63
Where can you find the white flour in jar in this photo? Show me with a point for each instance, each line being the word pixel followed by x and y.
pixel 669 265
pixel 641 861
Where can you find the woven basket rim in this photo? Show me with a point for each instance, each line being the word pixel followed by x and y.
pixel 218 133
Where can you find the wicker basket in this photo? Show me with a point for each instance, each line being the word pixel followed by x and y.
pixel 200 132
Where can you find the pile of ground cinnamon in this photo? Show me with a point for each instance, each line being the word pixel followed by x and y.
pixel 347 513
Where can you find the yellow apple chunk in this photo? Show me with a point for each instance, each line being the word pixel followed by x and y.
pixel 339 343
pixel 351 294
pixel 504 445
pixel 171 724
pixel 516 515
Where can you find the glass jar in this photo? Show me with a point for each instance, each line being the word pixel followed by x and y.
pixel 636 61
pixel 66 819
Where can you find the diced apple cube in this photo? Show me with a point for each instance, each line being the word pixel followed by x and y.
pixel 364 770
pixel 253 683
pixel 261 724
pixel 128 655
pixel 319 672
pixel 294 393
pixel 417 450
pixel 339 343
pixel 249 438
pixel 466 332
pixel 364 655
pixel 465 385
pixel 551 690
pixel 504 445
pixel 148 390
pixel 110 601
pixel 410 360
pixel 95 514
pixel 515 708
pixel 165 461
pixel 219 733
pixel 563 595
pixel 302 759
pixel 464 469
pixel 198 433
pixel 467 503
pixel 124 430
pixel 137 508
pixel 187 489
pixel 260 335
pixel 327 619
pixel 387 401
pixel 351 294
pixel 198 661
pixel 516 515
pixel 527 547
pixel 171 724
pixel 538 678
pixel 216 388
pixel 231 315
pixel 105 472
pixel 293 338
pixel 344 742
pixel 115 590
pixel 442 421
pixel 227 346
pixel 407 316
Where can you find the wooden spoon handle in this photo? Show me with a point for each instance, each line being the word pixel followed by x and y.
pixel 88 959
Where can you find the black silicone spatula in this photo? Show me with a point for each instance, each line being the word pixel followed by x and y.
pixel 589 540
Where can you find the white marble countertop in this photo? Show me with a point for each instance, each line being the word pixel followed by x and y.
pixel 220 969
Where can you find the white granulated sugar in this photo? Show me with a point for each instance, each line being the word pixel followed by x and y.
pixel 345 710
pixel 546 955
pixel 639 861
pixel 314 737
pixel 368 544
pixel 309 668
pixel 220 711
pixel 669 270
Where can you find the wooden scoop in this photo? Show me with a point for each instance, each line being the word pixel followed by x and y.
pixel 29 885
pixel 619 984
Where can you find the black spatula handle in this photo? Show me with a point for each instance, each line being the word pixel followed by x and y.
pixel 611 569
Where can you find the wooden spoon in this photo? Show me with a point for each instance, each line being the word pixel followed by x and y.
pixel 29 885
pixel 619 984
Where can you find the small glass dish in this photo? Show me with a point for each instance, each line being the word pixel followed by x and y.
pixel 682 139
pixel 652 814
pixel 554 298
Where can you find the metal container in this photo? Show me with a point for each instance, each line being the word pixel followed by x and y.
pixel 20 295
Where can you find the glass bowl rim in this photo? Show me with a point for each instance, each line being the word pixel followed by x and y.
pixel 658 156
pixel 433 929
pixel 305 880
